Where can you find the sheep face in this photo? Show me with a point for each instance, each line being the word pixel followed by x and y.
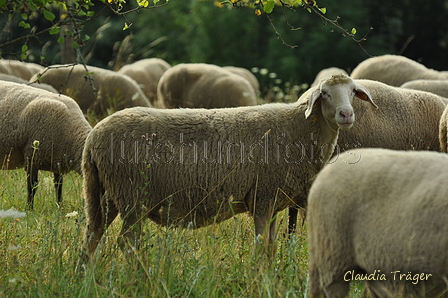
pixel 337 94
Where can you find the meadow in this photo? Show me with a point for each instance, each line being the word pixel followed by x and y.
pixel 39 253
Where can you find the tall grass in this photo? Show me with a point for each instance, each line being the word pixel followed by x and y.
pixel 39 253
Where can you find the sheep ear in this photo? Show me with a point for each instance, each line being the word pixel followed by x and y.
pixel 315 95
pixel 362 93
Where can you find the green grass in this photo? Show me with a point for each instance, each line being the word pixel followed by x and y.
pixel 39 253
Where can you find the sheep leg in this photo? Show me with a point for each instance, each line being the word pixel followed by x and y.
pixel 130 234
pixel 268 236
pixel 32 182
pixel 57 179
pixel 98 220
pixel 292 219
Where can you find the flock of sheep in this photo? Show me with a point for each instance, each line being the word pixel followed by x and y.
pixel 188 145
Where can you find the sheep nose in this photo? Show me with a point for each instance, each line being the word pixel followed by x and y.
pixel 345 114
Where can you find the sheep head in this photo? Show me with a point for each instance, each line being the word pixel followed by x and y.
pixel 336 94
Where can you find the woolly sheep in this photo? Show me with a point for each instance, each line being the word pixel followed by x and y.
pixel 405 120
pixel 379 214
pixel 41 131
pixel 23 70
pixel 11 78
pixel 439 87
pixel 203 166
pixel 394 70
pixel 113 92
pixel 146 73
pixel 247 74
pixel 325 73
pixel 443 131
pixel 203 86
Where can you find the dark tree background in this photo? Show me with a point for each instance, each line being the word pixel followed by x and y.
pixel 200 31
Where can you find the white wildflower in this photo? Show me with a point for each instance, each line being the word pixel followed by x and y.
pixel 12 213
pixel 72 214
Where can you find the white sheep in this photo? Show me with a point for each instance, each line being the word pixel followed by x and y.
pixel 199 85
pixel 23 70
pixel 12 78
pixel 41 131
pixel 325 73
pixel 405 120
pixel 146 73
pixel 203 166
pixel 380 216
pixel 247 74
pixel 107 92
pixel 439 87
pixel 394 70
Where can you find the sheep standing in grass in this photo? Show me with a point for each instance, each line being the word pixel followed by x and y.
pixel 203 86
pixel 202 166
pixel 381 215
pixel 146 73
pixel 405 120
pixel 106 93
pixel 439 87
pixel 394 70
pixel 40 131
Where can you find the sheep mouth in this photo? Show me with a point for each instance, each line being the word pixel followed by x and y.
pixel 345 125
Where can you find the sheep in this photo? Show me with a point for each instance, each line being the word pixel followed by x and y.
pixel 439 87
pixel 23 70
pixel 41 131
pixel 394 70
pixel 11 78
pixel 203 86
pixel 405 120
pixel 247 74
pixel 380 216
pixel 146 73
pixel 326 72
pixel 113 91
pixel 202 166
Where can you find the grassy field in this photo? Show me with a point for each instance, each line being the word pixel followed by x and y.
pixel 39 252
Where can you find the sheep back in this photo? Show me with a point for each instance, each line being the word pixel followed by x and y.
pixel 204 86
pixel 108 92
pixel 325 73
pixel 146 73
pixel 247 74
pixel 439 87
pixel 383 211
pixel 394 70
pixel 30 114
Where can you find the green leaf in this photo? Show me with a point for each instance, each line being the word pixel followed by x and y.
pixel 2 3
pixel 61 39
pixel 353 31
pixel 323 10
pixel 269 7
pixel 86 37
pixel 81 13
pixel 226 2
pixel 23 56
pixel 24 16
pixel 24 25
pixel 75 45
pixel 49 15
pixel 24 48
pixel 90 13
pixel 55 30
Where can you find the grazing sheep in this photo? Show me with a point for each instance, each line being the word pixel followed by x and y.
pixel 405 120
pixel 41 131
pixel 443 131
pixel 247 74
pixel 113 92
pixel 203 166
pixel 325 73
pixel 146 73
pixel 394 70
pixel 203 86
pixel 11 78
pixel 23 70
pixel 439 87
pixel 380 216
